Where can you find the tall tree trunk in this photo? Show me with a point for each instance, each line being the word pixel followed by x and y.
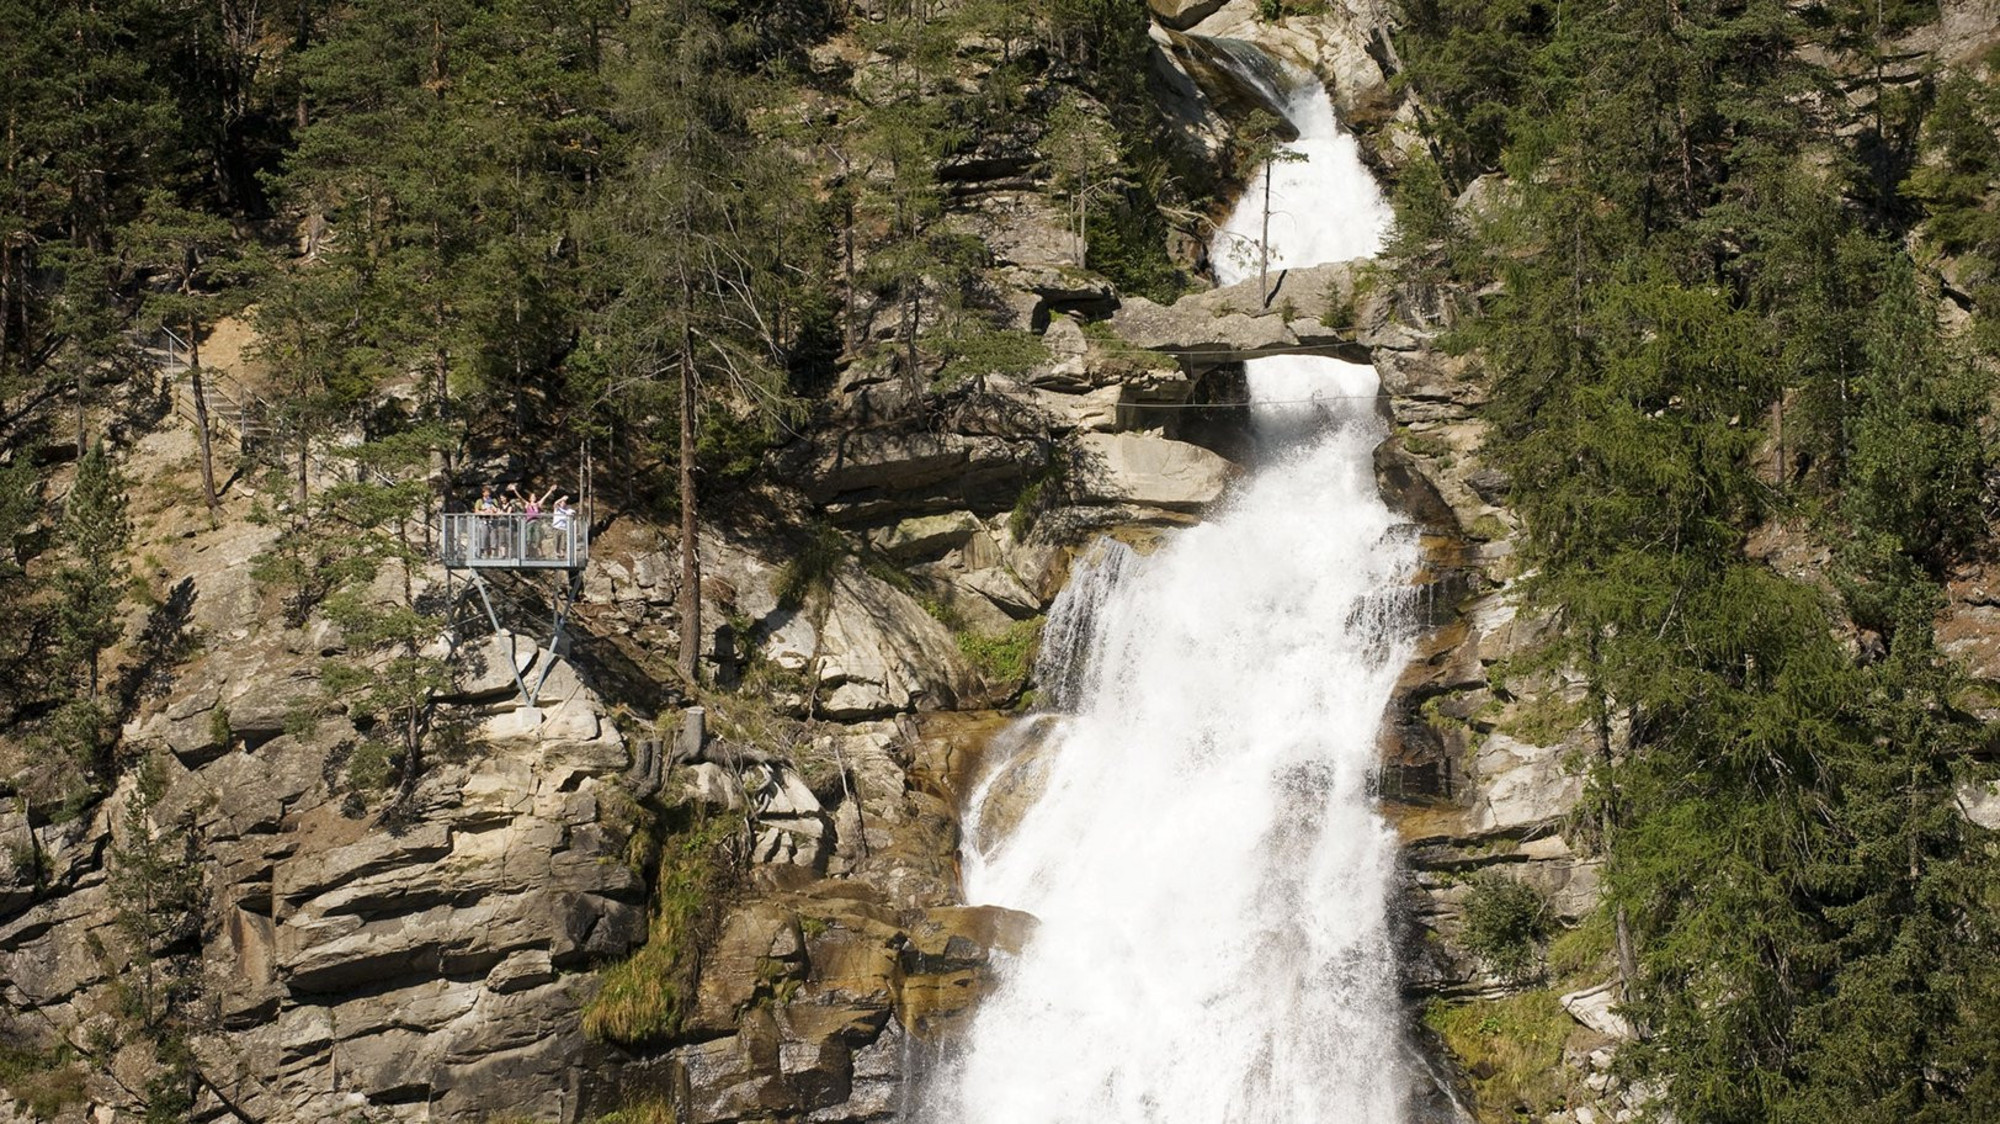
pixel 1628 959
pixel 690 607
pixel 7 252
pixel 201 416
pixel 851 333
pixel 6 292
pixel 1264 247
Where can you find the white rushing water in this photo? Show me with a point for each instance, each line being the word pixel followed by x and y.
pixel 1206 859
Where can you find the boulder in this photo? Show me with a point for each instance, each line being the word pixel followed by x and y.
pixel 1153 471
pixel 1322 309
pixel 860 473
pixel 1979 801
pixel 1183 14
pixel 880 652
pixel 925 536
pixel 491 668
pixel 1592 1007
pixel 999 586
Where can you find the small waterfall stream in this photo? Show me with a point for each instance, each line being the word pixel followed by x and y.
pixel 1205 857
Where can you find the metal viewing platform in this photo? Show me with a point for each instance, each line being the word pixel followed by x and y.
pixel 472 541
pixel 522 545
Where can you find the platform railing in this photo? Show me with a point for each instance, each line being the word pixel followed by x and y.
pixel 514 541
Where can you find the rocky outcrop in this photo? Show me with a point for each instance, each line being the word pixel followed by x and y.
pixel 843 961
pixel 423 959
pixel 1183 14
pixel 1150 471
pixel 1346 45
pixel 1343 309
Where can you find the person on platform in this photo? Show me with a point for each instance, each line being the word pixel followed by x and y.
pixel 488 510
pixel 560 519
pixel 531 518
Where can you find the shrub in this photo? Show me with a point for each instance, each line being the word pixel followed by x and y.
pixel 1512 1049
pixel 44 1083
pixel 1505 921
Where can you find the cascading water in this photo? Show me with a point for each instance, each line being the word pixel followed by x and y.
pixel 1205 858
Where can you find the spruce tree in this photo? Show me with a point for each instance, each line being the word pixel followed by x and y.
pixel 91 586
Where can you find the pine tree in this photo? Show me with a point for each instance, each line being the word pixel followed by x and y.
pixel 156 883
pixel 157 888
pixel 692 321
pixel 91 586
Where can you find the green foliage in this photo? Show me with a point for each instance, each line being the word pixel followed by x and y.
pixel 813 567
pixel 156 887
pixel 91 587
pixel 219 730
pixel 973 355
pixel 1583 954
pixel 1006 657
pixel 1044 491
pixel 1684 255
pixel 1506 921
pixel 644 997
pixel 71 751
pixel 44 1083
pixel 1429 235
pixel 389 690
pixel 1271 11
pixel 1513 1050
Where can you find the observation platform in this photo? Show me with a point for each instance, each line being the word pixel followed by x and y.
pixel 513 541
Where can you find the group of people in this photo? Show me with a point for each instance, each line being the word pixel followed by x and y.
pixel 544 527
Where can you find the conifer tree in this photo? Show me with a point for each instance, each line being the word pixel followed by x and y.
pixel 157 888
pixel 91 586
pixel 691 324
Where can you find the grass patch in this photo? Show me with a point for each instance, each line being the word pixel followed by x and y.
pixel 943 611
pixel 887 572
pixel 645 996
pixel 1512 1049
pixel 1487 528
pixel 1425 445
pixel 45 1083
pixel 1006 656
pixel 1582 955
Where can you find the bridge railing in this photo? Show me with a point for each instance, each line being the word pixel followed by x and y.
pixel 513 541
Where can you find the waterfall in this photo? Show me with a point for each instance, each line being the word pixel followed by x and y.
pixel 1205 856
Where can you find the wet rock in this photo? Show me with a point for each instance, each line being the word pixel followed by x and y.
pixel 1319 309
